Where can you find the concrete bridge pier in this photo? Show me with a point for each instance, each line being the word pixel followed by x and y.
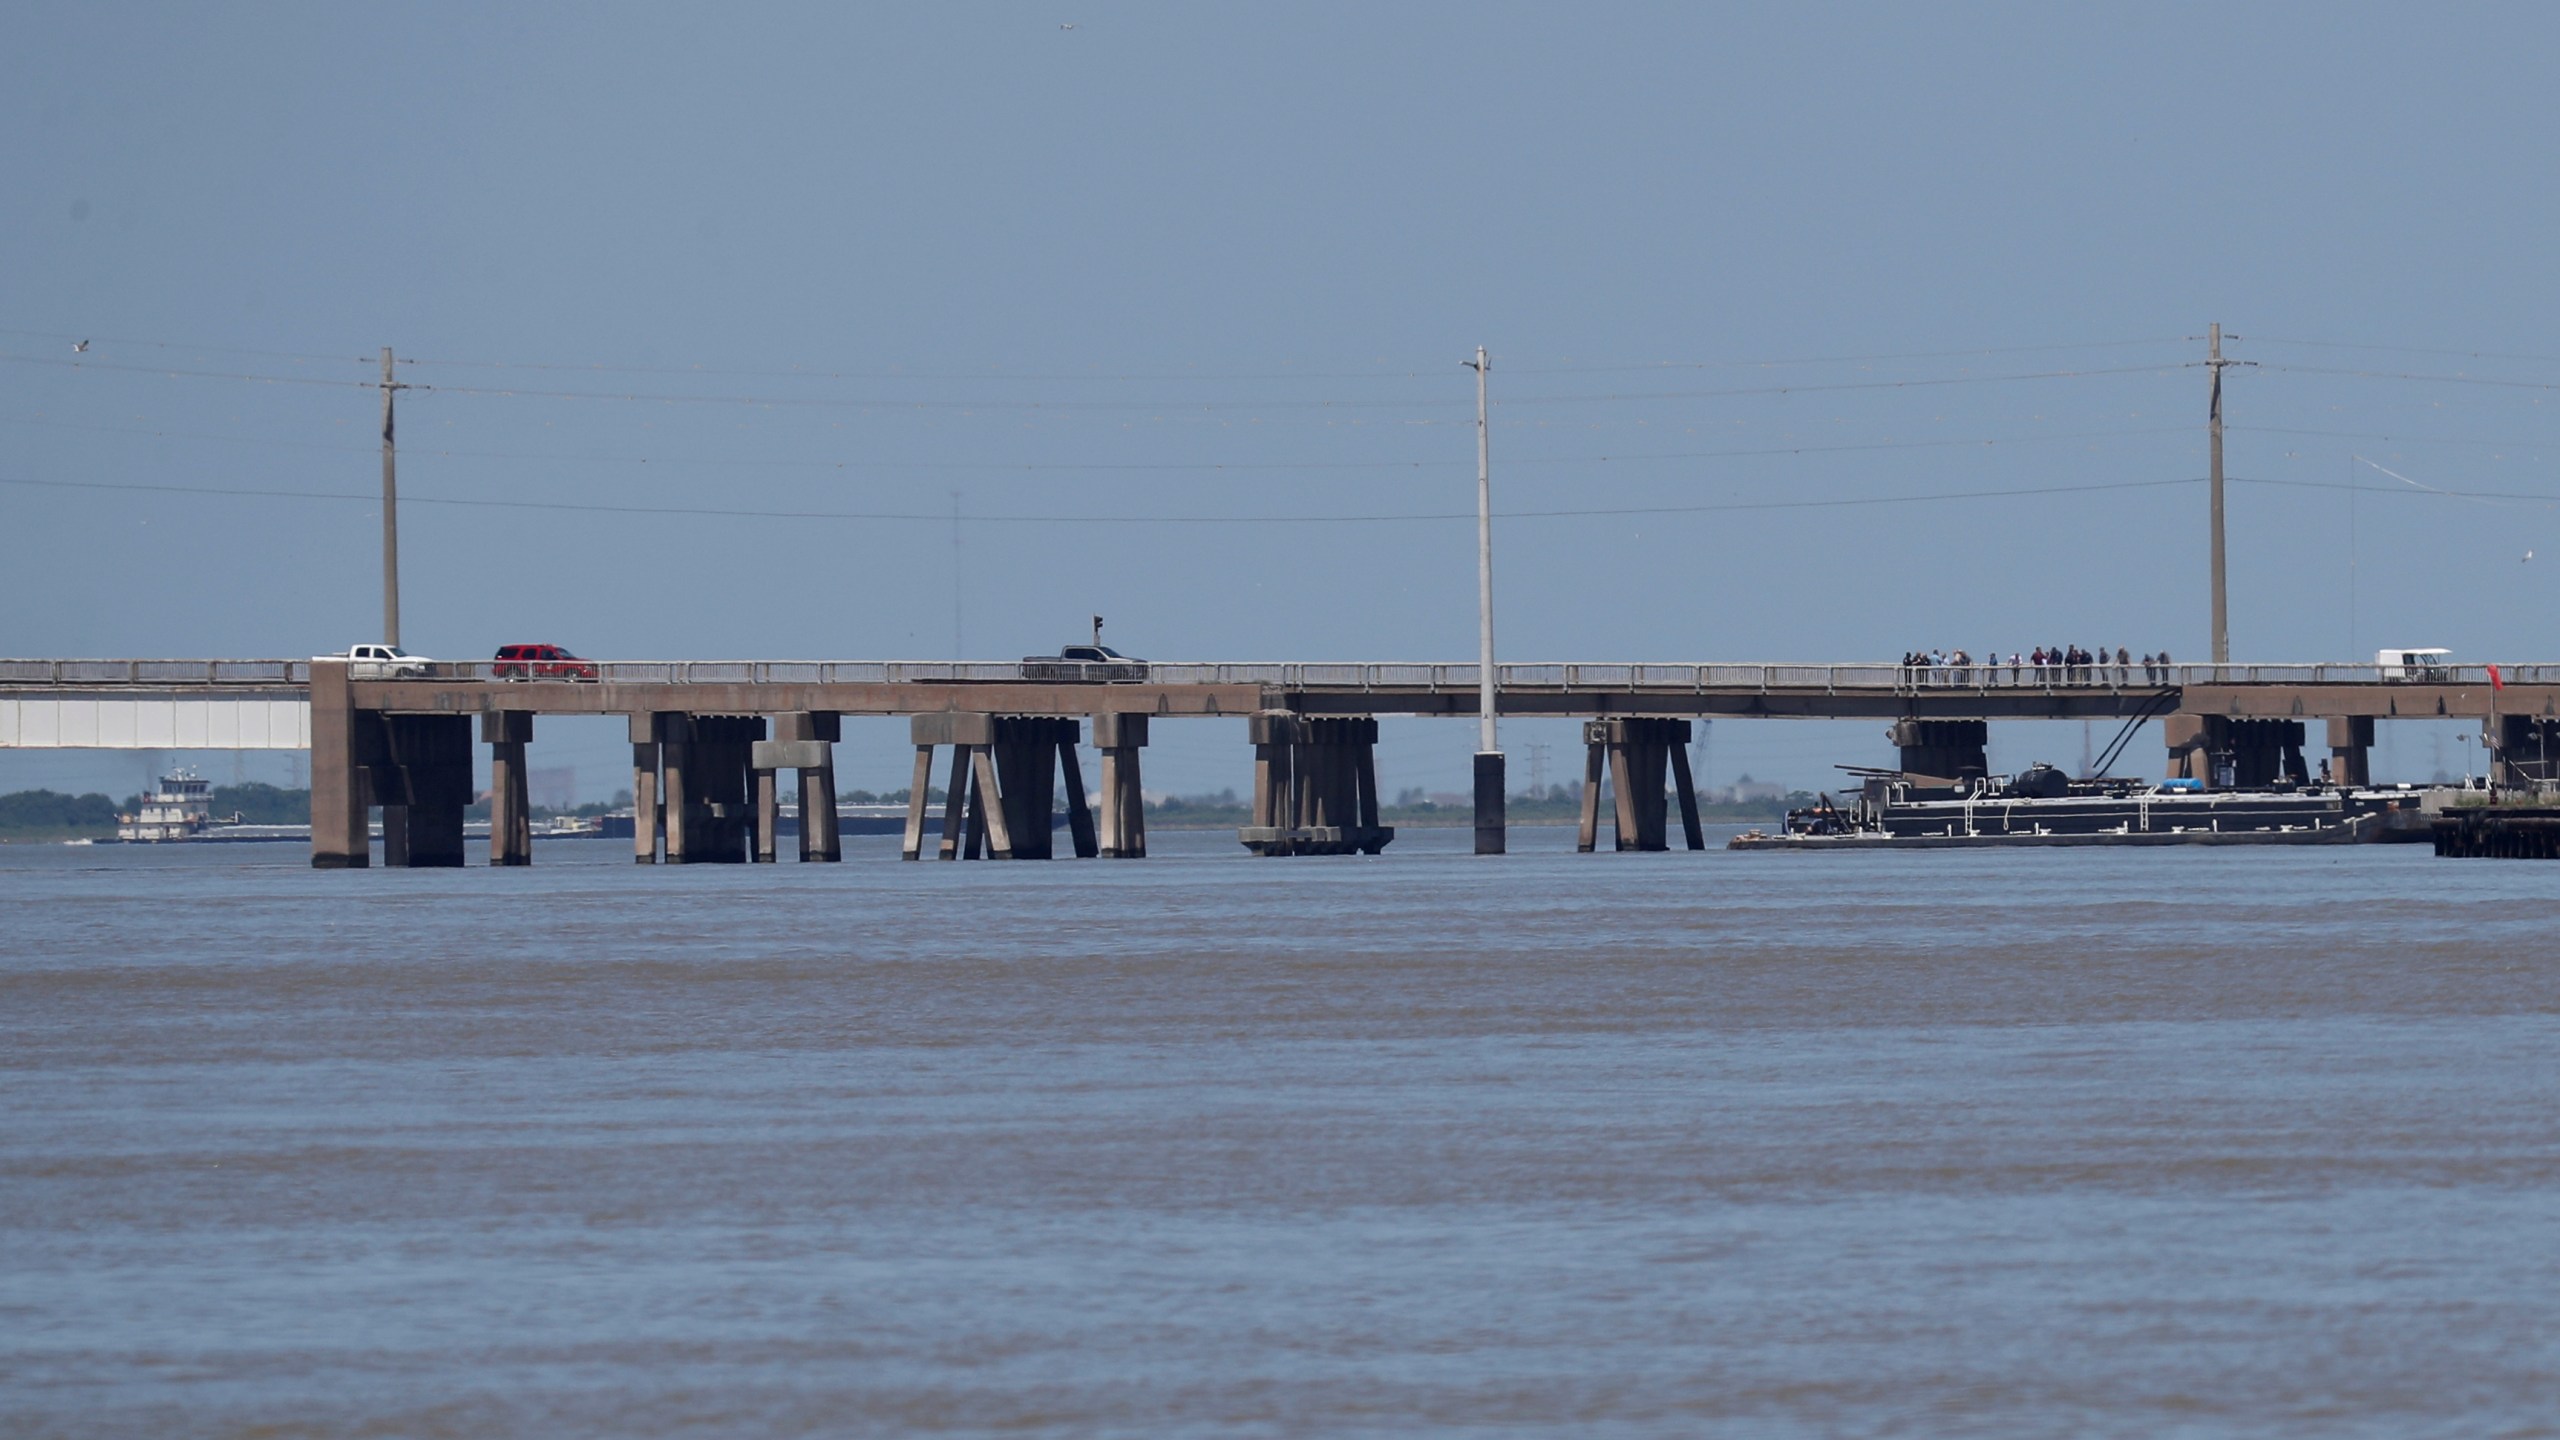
pixel 1638 754
pixel 648 805
pixel 1942 749
pixel 1003 790
pixel 703 761
pixel 2524 750
pixel 419 769
pixel 2351 749
pixel 338 784
pixel 1315 786
pixel 2224 752
pixel 803 742
pixel 1124 806
pixel 507 732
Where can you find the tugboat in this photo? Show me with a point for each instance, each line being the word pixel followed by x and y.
pixel 181 809
pixel 2041 806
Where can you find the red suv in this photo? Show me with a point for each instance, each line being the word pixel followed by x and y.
pixel 540 662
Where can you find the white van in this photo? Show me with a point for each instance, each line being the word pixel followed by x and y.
pixel 2415 664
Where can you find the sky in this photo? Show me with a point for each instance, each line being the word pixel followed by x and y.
pixel 1817 333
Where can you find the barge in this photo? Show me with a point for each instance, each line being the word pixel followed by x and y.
pixel 2041 807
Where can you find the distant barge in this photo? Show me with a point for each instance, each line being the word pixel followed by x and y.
pixel 2042 807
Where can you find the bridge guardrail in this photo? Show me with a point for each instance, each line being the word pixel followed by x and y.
pixel 1984 678
pixel 76 673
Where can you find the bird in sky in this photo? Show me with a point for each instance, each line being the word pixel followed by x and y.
pixel 80 348
pixel 1067 25
pixel 2528 556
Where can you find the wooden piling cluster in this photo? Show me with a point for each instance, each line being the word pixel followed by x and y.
pixel 1315 786
pixel 1003 787
pixel 1637 753
pixel 2499 832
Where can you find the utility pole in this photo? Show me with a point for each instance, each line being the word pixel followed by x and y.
pixel 2214 366
pixel 390 512
pixel 1488 769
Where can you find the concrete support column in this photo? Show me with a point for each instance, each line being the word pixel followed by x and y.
pixel 2351 749
pixel 338 831
pixel 2226 752
pixel 507 732
pixel 1492 824
pixel 1687 791
pixel 768 823
pixel 966 733
pixel 708 792
pixel 803 743
pixel 1641 755
pixel 647 792
pixel 1594 760
pixel 1079 813
pixel 1315 784
pixel 1947 750
pixel 2189 746
pixel 675 752
pixel 395 834
pixel 911 847
pixel 1124 804
pixel 422 776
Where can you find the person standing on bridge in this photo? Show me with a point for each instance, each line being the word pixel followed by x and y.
pixel 2017 668
pixel 2124 667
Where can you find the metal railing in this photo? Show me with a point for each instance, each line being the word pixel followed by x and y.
pixel 157 674
pixel 1296 675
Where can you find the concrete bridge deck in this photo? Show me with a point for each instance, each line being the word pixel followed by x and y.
pixel 705 768
pixel 1586 690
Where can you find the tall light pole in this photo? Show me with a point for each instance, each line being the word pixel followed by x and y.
pixel 2214 366
pixel 1488 771
pixel 390 514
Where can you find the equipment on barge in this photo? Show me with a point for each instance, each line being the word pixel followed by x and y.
pixel 2041 806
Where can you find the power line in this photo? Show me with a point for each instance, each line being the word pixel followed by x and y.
pixel 2419 491
pixel 193 374
pixel 2489 380
pixel 2397 439
pixel 1071 406
pixel 2409 350
pixel 717 512
pixel 1641 366
pixel 70 339
pixel 1213 466
pixel 892 373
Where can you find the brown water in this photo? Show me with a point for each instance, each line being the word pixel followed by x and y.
pixel 2130 1143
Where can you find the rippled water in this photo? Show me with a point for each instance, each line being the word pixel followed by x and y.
pixel 2124 1143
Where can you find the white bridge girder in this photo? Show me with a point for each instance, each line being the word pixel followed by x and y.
pixel 153 722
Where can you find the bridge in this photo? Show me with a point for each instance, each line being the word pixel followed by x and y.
pixel 710 738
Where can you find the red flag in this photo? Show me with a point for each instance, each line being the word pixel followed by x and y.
pixel 2496 682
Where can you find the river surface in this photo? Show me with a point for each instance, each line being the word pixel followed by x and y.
pixel 2139 1143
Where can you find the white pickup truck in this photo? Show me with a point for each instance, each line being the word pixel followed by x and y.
pixel 384 662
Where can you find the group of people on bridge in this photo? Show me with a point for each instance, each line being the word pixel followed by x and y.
pixel 2044 665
